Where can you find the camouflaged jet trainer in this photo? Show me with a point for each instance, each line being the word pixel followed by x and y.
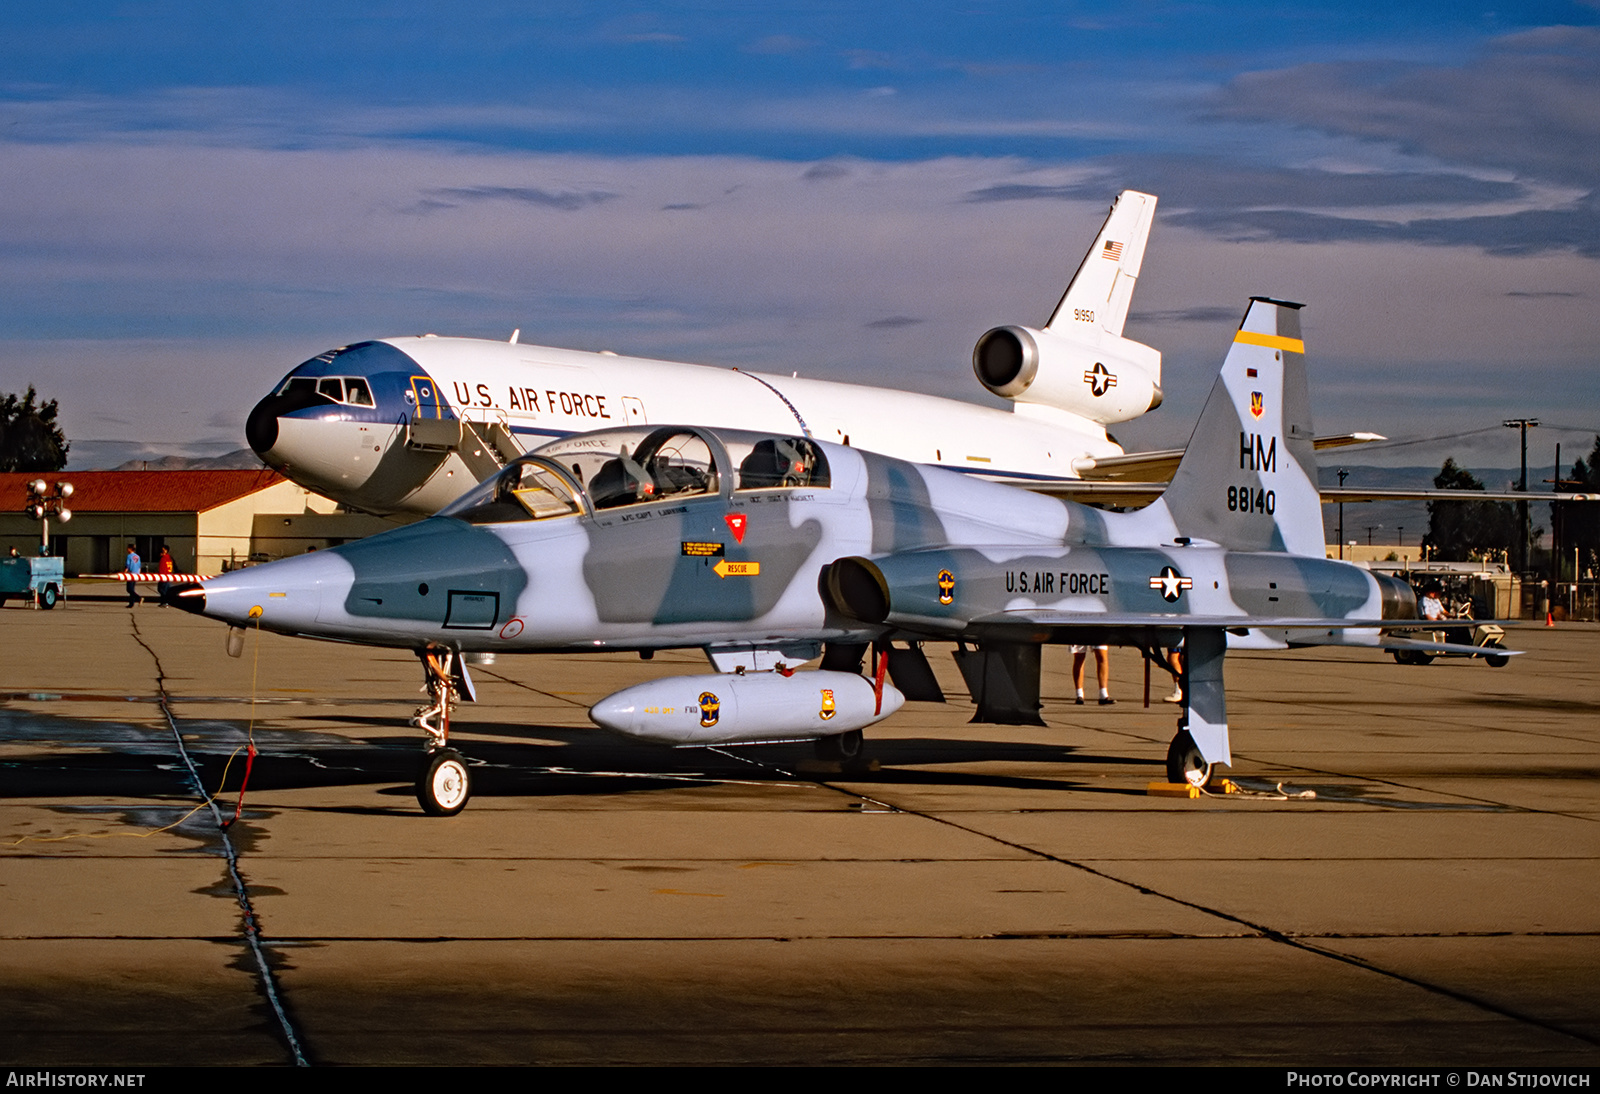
pixel 766 551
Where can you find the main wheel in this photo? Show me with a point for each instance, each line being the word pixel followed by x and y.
pixel 1496 661
pixel 443 786
pixel 842 746
pixel 48 597
pixel 1184 762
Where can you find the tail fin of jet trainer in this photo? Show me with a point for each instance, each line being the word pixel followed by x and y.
pixel 1103 285
pixel 1248 480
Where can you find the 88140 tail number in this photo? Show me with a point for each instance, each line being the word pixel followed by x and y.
pixel 1241 499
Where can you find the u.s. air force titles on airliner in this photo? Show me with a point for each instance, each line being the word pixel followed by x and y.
pixel 767 549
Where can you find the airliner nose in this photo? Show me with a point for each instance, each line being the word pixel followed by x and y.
pixel 261 427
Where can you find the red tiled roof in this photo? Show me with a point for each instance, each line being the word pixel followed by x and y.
pixel 141 491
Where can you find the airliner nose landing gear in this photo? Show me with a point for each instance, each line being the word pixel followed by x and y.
pixel 443 782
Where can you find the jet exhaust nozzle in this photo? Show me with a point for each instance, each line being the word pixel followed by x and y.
pixel 190 596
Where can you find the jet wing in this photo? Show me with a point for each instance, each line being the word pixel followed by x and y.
pixel 1046 625
pixel 1157 466
pixel 1054 625
pixel 1331 494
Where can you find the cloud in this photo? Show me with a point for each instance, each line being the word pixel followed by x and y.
pixel 1201 314
pixel 527 195
pixel 1307 204
pixel 827 169
pixel 1526 103
pixel 1523 233
pixel 780 44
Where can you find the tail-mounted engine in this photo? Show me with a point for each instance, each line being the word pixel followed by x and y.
pixel 1103 377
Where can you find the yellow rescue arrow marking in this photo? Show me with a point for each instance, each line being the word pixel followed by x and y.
pixel 725 569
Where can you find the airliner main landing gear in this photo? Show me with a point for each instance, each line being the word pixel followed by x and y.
pixel 443 783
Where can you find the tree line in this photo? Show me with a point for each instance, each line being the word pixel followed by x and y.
pixel 30 439
pixel 1469 530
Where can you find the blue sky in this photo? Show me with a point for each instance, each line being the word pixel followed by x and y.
pixel 200 195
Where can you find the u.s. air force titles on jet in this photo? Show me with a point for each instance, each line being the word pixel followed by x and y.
pixel 767 549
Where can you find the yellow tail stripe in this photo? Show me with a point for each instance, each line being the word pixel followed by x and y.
pixel 1271 341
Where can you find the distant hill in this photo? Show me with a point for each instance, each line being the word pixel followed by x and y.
pixel 240 459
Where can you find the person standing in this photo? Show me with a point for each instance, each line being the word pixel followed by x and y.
pixel 132 565
pixel 164 563
pixel 1102 668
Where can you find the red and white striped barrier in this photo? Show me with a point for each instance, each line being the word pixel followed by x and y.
pixel 158 578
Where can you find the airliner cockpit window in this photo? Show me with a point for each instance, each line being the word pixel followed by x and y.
pixel 524 490
pixel 356 392
pixel 348 390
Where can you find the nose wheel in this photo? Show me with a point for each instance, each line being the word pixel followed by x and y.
pixel 443 784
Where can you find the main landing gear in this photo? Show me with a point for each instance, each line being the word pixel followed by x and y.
pixel 443 782
pixel 841 746
pixel 1184 762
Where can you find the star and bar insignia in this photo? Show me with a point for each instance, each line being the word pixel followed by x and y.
pixel 1171 583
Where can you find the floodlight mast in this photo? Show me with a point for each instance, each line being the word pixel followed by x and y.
pixel 44 504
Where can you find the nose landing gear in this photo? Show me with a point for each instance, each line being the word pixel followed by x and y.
pixel 443 783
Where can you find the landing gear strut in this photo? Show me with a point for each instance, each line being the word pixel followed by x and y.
pixel 443 783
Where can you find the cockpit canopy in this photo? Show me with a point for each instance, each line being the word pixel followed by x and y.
pixel 639 466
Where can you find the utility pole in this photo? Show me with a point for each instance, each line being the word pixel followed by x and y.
pixel 1523 424
pixel 1342 473
pixel 1555 522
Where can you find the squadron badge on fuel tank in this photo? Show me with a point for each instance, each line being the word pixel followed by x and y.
pixel 710 709
pixel 828 709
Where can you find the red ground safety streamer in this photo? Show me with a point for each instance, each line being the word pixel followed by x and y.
pixel 877 683
pixel 249 762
